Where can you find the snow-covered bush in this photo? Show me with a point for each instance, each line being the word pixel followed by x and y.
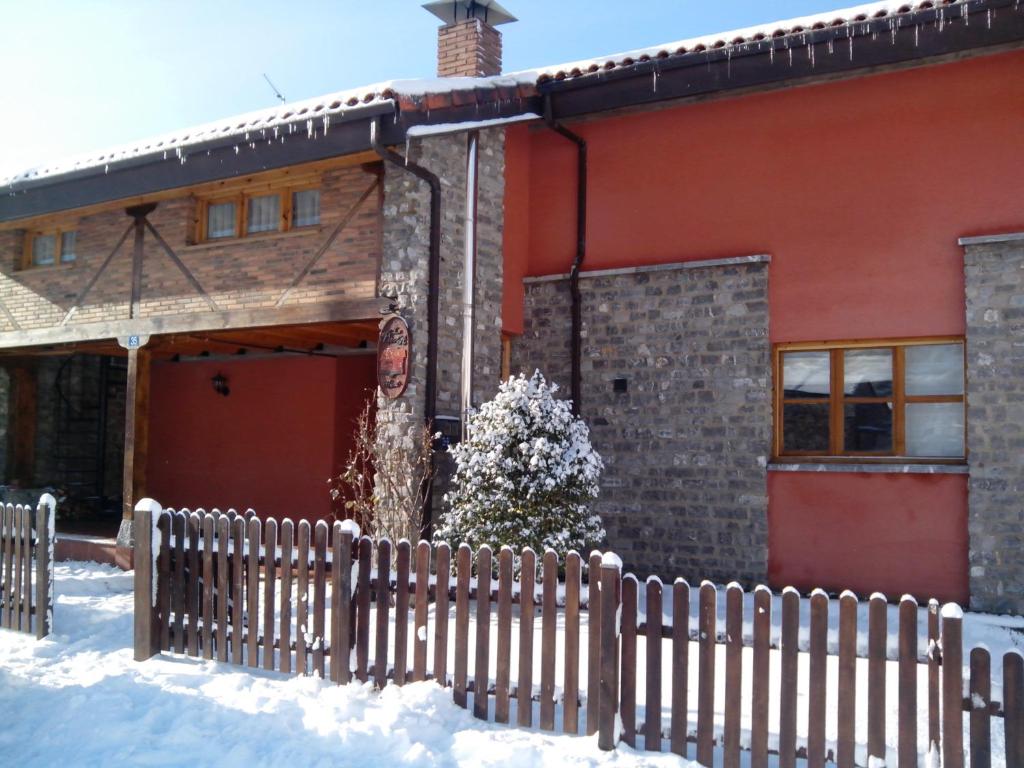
pixel 525 476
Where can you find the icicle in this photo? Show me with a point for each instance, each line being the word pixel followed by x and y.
pixel 275 131
pixel 942 19
pixel 988 18
pixel 790 52
pixel 309 128
pixel 327 123
pixel 771 54
pixel 851 47
pixel 106 169
pixel 917 34
pixel 831 46
pixel 810 54
pixel 236 149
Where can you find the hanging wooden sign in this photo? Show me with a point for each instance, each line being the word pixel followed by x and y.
pixel 393 348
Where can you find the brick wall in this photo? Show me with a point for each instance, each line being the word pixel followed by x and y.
pixel 994 278
pixel 471 48
pixel 685 447
pixel 237 274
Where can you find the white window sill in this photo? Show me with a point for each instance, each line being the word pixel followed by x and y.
pixel 877 468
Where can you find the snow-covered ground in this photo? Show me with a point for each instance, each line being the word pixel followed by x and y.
pixel 77 698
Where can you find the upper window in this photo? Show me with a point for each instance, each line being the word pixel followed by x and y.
pixel 256 213
pixel 45 248
pixel 892 399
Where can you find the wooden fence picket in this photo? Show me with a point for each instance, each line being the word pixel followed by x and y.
pixel 652 707
pixel 679 732
pixel 789 650
pixel 527 611
pixel 302 626
pixel 320 533
pixel 15 596
pixel 463 569
pixel 363 610
pixel 548 632
pixel 981 701
pixel 733 674
pixel 934 693
pixel 252 593
pixel 223 555
pixel 45 518
pixel 26 586
pixel 761 682
pixel 907 684
pixel 1013 707
pixel 337 564
pixel 952 686
pixel 627 688
pixel 163 589
pixel 179 526
pixel 846 686
pixel 269 591
pixel 443 569
pixel 611 594
pixel 403 564
pixel 571 683
pixel 193 599
pixel 817 699
pixel 238 534
pixel 708 620
pixel 481 674
pixel 593 643
pixel 877 637
pixel 208 587
pixel 7 541
pixel 341 654
pixel 380 650
pixel 502 680
pixel 285 630
pixel 419 642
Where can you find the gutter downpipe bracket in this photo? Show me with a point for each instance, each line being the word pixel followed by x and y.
pixel 581 250
pixel 433 288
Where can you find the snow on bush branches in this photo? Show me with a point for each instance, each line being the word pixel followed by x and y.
pixel 526 475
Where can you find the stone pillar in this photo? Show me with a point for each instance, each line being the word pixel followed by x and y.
pixel 994 282
pixel 676 374
pixel 404 271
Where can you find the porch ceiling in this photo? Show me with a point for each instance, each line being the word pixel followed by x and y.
pixel 314 338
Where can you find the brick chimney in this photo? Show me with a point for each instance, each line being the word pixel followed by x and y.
pixel 468 45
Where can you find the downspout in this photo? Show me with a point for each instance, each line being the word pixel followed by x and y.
pixel 576 348
pixel 468 281
pixel 433 287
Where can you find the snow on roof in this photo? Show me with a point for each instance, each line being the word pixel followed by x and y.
pixel 720 40
pixel 316 113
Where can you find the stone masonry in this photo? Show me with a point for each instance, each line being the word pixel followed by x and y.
pixel 406 239
pixel 994 272
pixel 686 444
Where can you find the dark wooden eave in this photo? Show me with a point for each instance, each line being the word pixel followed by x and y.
pixel 920 38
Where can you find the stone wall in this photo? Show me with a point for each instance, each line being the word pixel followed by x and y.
pixel 406 241
pixel 994 278
pixel 686 444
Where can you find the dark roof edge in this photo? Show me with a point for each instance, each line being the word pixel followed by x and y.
pixel 817 53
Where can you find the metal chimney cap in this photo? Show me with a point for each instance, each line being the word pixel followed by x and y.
pixel 454 11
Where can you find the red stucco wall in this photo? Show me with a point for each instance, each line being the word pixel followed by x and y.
pixel 270 445
pixel 858 190
pixel 869 532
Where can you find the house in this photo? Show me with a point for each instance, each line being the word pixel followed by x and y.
pixel 779 271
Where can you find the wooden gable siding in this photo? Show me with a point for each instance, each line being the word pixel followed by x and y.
pixel 238 274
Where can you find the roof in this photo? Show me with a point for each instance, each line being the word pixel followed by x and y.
pixel 314 117
pixel 894 11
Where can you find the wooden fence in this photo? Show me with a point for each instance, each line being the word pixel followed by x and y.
pixel 26 548
pixel 303 600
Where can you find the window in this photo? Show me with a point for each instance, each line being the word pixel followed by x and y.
pixel 45 248
pixel 257 212
pixel 871 399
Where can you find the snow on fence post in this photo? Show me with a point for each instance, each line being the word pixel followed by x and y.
pixel 147 511
pixel 46 514
pixel 611 591
pixel 952 686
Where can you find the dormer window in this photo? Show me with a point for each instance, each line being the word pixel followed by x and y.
pixel 257 211
pixel 49 247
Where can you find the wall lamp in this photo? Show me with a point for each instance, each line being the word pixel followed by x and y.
pixel 220 385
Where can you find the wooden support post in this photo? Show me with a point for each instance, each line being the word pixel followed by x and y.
pixel 22 440
pixel 147 636
pixel 45 517
pixel 136 441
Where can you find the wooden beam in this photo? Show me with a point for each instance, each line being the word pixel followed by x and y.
pixel 342 311
pixel 22 435
pixel 136 430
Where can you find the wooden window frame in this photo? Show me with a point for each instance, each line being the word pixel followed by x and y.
pixel 837 400
pixel 58 231
pixel 240 197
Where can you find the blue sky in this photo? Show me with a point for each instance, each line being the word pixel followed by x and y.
pixel 80 75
